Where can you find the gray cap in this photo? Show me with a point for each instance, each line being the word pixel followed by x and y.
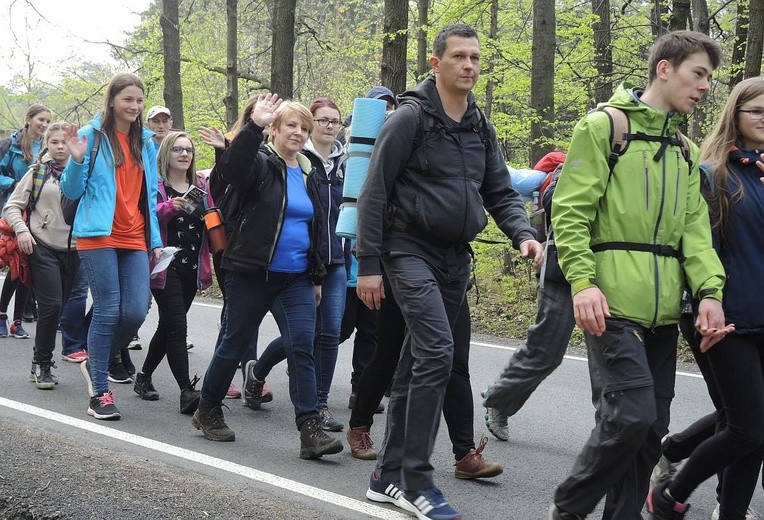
pixel 156 110
pixel 380 92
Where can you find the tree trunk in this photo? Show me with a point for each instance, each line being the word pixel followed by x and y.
pixel 173 90
pixel 700 18
pixel 603 54
pixel 282 48
pixel 659 26
pixel 542 78
pixel 422 43
pixel 231 99
pixel 680 15
pixel 737 65
pixel 755 37
pixel 394 42
pixel 493 35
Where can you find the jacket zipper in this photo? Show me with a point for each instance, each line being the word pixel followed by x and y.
pixel 281 219
pixel 655 230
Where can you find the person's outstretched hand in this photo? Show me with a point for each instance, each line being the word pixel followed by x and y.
pixel 76 145
pixel 264 111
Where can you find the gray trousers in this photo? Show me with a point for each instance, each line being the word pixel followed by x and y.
pixel 429 297
pixel 636 369
pixel 543 352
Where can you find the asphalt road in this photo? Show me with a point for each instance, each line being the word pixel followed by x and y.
pixel 262 466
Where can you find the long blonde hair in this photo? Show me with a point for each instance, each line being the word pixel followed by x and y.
pixel 716 148
pixel 163 157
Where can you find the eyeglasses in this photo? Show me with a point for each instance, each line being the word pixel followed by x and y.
pixel 754 114
pixel 180 149
pixel 325 122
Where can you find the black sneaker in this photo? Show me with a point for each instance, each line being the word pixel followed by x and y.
pixel 663 507
pixel 102 407
pixel 253 389
pixel 85 370
pixel 118 374
pixel 41 376
pixel 211 422
pixel 385 492
pixel 145 388
pixel 314 443
pixel 135 343
pixel 328 422
pixel 127 362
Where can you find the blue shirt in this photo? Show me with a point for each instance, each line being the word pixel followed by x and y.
pixel 291 255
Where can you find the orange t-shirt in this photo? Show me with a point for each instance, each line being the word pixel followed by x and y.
pixel 128 227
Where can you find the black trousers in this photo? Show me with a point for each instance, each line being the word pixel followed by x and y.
pixel 458 407
pixel 359 317
pixel 169 339
pixel 22 293
pixel 53 273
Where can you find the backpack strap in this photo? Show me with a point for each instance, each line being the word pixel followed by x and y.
pixel 619 130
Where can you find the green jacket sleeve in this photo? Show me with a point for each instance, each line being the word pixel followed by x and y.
pixel 576 199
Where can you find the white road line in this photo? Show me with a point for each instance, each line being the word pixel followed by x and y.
pixel 333 499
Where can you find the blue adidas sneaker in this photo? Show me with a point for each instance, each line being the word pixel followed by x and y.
pixel 391 493
pixel 429 504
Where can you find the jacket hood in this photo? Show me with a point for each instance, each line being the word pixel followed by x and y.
pixel 337 149
pixel 627 97
pixel 426 94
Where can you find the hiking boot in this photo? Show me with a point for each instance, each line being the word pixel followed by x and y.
pixel 189 398
pixel 3 325
pixel 663 507
pixel 232 392
pixel 558 514
pixel 473 465
pixel 210 420
pixel 144 388
pixel 360 443
pixel 118 374
pixel 41 376
pixel 429 503
pixel 75 357
pixel 17 330
pixel 102 407
pixel 314 443
pixel 385 492
pixel 253 388
pixel 85 370
pixel 495 421
pixel 127 362
pixel 328 422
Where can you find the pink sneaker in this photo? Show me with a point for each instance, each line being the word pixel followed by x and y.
pixel 75 357
pixel 233 392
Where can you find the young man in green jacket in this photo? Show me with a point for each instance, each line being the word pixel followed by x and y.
pixel 631 232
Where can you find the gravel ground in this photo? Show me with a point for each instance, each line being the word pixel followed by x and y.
pixel 46 476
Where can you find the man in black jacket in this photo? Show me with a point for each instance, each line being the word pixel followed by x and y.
pixel 435 166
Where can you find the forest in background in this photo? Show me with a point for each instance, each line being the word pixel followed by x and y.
pixel 545 63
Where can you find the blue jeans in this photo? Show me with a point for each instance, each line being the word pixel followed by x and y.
pixel 291 299
pixel 327 340
pixel 119 283
pixel 74 327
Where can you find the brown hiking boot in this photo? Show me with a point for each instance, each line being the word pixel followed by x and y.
pixel 473 465
pixel 210 420
pixel 360 443
pixel 314 442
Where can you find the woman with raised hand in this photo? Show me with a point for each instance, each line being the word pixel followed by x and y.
pixel 174 289
pixel 328 158
pixel 734 154
pixel 17 153
pixel 113 169
pixel 45 239
pixel 272 263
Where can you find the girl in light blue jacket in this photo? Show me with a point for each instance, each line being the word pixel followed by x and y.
pixel 115 225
